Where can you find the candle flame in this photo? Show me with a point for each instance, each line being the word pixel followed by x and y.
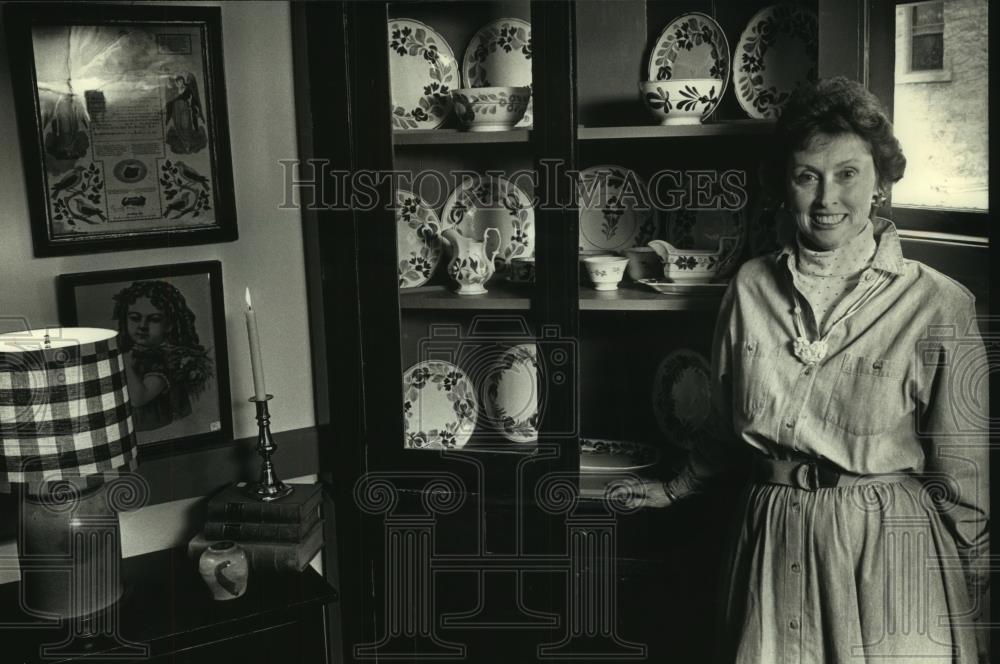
pixel 249 303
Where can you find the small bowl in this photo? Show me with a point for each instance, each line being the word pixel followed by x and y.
pixel 681 100
pixel 643 263
pixel 490 108
pixel 522 270
pixel 605 271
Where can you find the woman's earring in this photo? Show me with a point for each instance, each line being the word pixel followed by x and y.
pixel 878 198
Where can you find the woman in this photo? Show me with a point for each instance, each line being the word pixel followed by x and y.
pixel 848 387
pixel 165 364
pixel 184 117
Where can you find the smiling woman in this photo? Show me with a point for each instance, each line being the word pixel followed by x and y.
pixel 863 428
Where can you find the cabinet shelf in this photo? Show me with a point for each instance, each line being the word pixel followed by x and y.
pixel 455 137
pixel 630 297
pixel 501 295
pixel 727 128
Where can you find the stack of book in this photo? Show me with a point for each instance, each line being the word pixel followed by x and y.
pixel 279 535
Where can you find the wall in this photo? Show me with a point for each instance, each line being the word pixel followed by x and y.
pixel 268 257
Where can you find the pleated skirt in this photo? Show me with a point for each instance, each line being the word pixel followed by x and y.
pixel 865 573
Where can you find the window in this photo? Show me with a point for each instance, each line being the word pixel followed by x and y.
pixel 934 77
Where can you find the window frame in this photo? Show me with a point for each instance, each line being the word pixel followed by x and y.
pixel 880 66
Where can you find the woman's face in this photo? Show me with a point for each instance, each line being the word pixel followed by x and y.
pixel 830 187
pixel 147 326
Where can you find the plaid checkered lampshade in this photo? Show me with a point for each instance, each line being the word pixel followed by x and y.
pixel 64 405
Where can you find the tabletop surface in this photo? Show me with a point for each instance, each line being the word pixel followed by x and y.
pixel 167 606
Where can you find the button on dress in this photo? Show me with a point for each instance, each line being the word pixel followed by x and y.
pixel 887 568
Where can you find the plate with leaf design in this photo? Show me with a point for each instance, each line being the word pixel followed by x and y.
pixel 598 455
pixel 422 72
pixel 692 45
pixel 612 214
pixel 439 406
pixel 777 52
pixel 499 54
pixel 492 201
pixel 418 239
pixel 510 394
pixel 682 393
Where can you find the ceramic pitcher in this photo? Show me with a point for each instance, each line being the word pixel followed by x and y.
pixel 470 266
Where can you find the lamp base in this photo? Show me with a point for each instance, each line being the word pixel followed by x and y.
pixel 69 550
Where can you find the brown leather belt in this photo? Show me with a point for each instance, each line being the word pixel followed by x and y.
pixel 812 475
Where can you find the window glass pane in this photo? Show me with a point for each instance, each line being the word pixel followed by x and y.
pixel 941 116
pixel 928 52
pixel 931 14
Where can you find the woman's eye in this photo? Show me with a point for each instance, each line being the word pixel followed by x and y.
pixel 805 178
pixel 134 318
pixel 849 173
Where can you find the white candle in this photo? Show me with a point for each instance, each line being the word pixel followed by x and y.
pixel 259 391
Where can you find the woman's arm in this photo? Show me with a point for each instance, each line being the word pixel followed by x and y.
pixel 954 427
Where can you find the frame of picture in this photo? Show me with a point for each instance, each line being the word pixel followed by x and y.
pixel 123 122
pixel 172 332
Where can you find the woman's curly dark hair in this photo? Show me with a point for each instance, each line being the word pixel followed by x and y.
pixel 165 297
pixel 833 106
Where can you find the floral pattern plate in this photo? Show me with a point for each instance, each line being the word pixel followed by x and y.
pixel 607 222
pixel 693 45
pixel 777 52
pixel 682 396
pixel 493 202
pixel 439 406
pixel 418 239
pixel 510 394
pixel 702 229
pixel 598 455
pixel 422 73
pixel 499 54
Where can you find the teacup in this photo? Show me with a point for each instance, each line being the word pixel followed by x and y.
pixel 605 271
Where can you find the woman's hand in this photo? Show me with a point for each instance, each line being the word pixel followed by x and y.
pixel 645 493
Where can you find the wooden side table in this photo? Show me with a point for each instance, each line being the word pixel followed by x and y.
pixel 167 615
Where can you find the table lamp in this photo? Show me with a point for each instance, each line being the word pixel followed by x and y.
pixel 65 427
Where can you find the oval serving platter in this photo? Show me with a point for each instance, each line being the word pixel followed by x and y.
pixel 610 221
pixel 777 52
pixel 500 54
pixel 493 202
pixel 682 396
pixel 422 73
pixel 439 406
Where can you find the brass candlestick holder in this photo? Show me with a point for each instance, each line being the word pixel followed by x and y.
pixel 268 487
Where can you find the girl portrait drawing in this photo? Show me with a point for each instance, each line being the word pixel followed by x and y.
pixel 167 367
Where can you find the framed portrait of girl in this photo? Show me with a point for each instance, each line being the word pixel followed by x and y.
pixel 171 325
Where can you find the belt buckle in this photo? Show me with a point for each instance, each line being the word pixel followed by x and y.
pixel 807 477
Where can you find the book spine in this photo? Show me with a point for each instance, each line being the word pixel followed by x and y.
pixel 238 512
pixel 280 532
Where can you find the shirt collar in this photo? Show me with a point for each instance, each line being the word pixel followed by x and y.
pixel 888 253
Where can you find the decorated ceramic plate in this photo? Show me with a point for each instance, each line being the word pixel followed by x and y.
pixel 422 73
pixel 674 288
pixel 777 52
pixel 691 46
pixel 682 396
pixel 598 455
pixel 418 239
pixel 702 229
pixel 510 394
pixel 500 54
pixel 493 202
pixel 611 218
pixel 439 406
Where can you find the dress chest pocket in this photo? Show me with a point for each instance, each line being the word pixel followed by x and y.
pixel 869 395
pixel 754 366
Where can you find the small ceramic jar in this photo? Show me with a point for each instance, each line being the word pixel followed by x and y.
pixel 224 569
